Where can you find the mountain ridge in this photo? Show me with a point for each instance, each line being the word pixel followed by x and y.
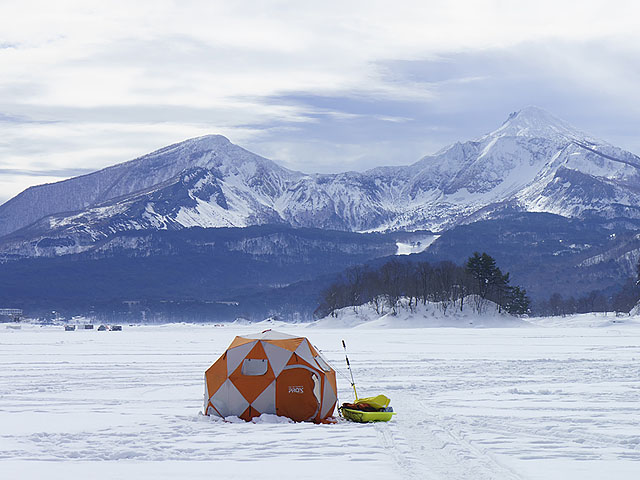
pixel 106 184
pixel 533 162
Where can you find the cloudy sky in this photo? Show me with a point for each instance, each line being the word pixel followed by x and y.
pixel 317 86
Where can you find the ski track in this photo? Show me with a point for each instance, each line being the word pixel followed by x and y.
pixel 441 451
pixel 521 403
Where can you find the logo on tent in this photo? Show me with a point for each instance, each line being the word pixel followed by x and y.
pixel 296 389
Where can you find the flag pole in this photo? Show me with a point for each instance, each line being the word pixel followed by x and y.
pixel 353 384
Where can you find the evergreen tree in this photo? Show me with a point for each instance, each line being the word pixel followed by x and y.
pixel 518 303
pixel 487 275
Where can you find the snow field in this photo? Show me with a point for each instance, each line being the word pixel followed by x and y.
pixel 546 401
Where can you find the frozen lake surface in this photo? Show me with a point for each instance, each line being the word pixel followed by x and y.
pixel 558 399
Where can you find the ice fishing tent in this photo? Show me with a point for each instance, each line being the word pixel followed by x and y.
pixel 271 372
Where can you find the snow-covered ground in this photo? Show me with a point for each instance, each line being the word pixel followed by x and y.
pixel 415 246
pixel 549 399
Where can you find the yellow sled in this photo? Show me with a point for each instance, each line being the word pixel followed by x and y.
pixel 370 409
pixel 365 417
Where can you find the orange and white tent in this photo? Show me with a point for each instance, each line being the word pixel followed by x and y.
pixel 271 372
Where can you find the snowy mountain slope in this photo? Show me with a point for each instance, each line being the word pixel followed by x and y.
pixel 148 174
pixel 534 162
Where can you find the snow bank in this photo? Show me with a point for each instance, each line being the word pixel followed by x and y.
pixel 431 314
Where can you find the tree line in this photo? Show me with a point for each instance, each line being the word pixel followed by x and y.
pixel 595 301
pixel 623 300
pixel 478 282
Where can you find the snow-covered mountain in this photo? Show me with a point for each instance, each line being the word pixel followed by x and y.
pixel 533 162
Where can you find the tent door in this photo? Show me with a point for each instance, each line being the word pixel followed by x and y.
pixel 295 396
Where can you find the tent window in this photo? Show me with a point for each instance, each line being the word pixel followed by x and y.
pixel 254 366
pixel 322 363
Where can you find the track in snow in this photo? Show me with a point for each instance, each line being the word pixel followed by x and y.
pixel 427 446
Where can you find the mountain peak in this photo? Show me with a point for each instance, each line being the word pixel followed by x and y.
pixel 208 141
pixel 534 114
pixel 534 121
pixel 205 143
